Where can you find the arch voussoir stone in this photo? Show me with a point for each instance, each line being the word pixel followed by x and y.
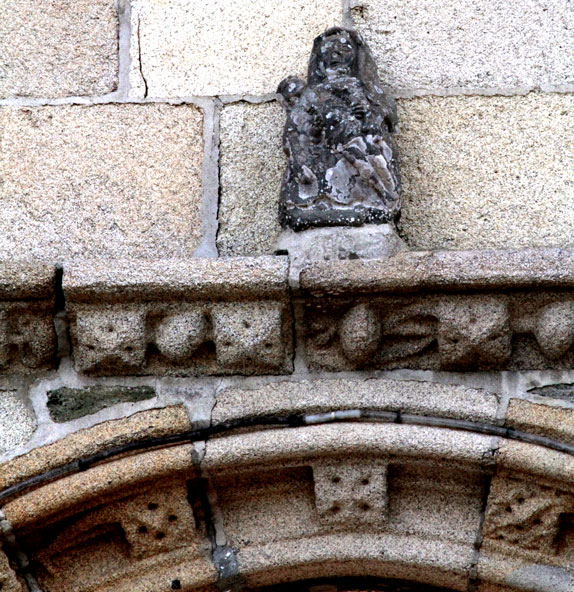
pixel 255 501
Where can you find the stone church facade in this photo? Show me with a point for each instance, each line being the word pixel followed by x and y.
pixel 187 402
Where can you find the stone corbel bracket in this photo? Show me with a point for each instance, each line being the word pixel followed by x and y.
pixel 442 310
pixel 27 308
pixel 179 317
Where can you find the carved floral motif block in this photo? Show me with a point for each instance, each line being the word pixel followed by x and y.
pixel 351 493
pixel 442 311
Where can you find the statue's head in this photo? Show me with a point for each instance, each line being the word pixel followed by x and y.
pixel 337 53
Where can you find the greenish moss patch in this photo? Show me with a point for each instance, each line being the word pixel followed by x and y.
pixel 65 404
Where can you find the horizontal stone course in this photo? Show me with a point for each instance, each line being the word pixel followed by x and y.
pixel 325 395
pixel 224 279
pixel 468 45
pixel 215 47
pixel 59 48
pixel 101 181
pixel 452 271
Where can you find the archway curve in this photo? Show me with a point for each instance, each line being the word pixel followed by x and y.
pixel 432 505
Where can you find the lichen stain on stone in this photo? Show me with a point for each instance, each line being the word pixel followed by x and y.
pixel 66 404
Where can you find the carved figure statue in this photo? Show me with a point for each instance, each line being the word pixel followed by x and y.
pixel 342 169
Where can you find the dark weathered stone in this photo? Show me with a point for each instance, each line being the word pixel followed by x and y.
pixel 555 391
pixel 342 170
pixel 66 403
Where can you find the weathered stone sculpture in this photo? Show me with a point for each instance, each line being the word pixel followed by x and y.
pixel 342 169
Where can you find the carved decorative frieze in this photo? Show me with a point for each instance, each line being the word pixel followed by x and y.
pixel 351 492
pixel 131 524
pixel 528 528
pixel 27 309
pixel 227 316
pixel 442 311
pixel 533 516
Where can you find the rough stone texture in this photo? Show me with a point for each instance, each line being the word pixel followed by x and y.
pixel 368 314
pixel 17 421
pixel 487 172
pixel 241 278
pixel 100 181
pixel 316 396
pixel 553 422
pixel 409 558
pixel 219 47
pixel 251 165
pixel 140 426
pixel 469 45
pixel 66 404
pixel 508 575
pixel 128 518
pixel 69 47
pixel 442 500
pixel 8 579
pixel 225 316
pixel 372 241
pixel 281 498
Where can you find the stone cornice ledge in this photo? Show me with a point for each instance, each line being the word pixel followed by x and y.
pixel 452 271
pixel 448 310
pixel 188 280
pixel 224 316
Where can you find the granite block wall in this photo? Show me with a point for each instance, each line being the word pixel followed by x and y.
pixel 153 127
pixel 149 130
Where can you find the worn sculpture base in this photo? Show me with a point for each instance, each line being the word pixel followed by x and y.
pixel 304 218
pixel 374 241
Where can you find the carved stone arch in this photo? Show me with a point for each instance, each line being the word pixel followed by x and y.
pixel 261 499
